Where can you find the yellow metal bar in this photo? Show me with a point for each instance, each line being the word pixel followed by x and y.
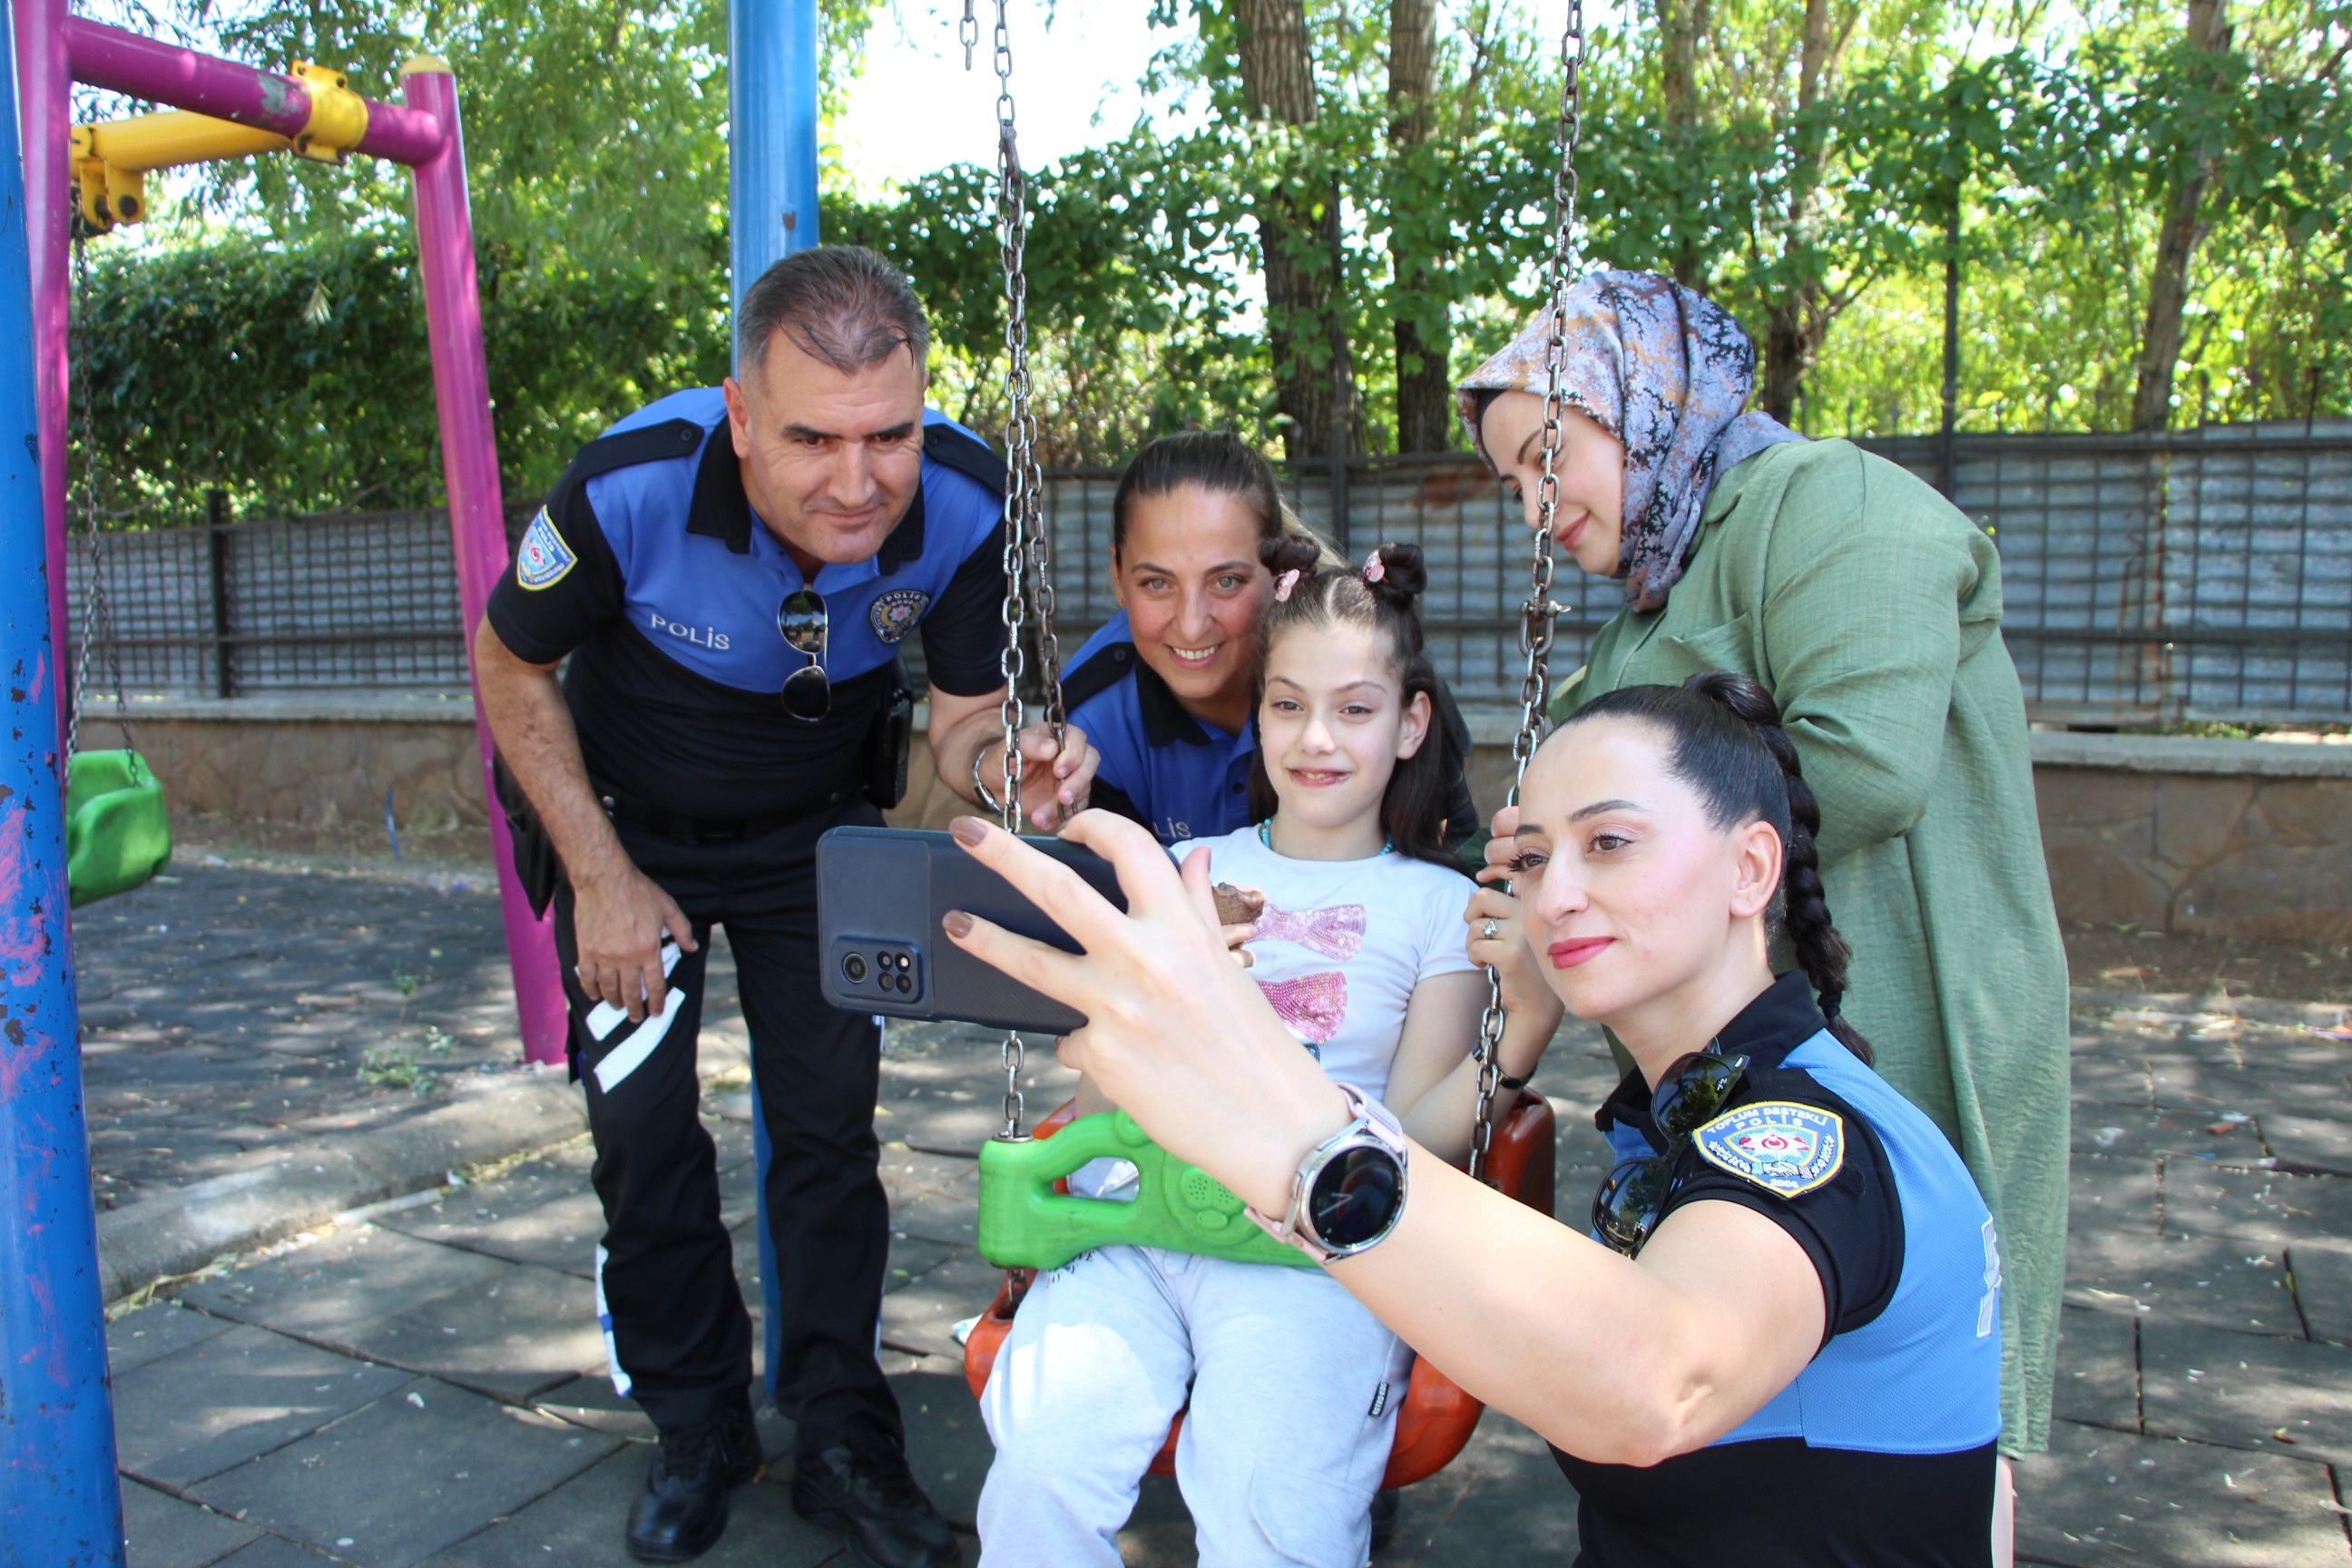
pixel 169 139
pixel 109 159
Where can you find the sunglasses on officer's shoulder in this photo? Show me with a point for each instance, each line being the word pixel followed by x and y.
pixel 1634 1199
pixel 807 694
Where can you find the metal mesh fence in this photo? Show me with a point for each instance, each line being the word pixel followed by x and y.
pixel 2203 576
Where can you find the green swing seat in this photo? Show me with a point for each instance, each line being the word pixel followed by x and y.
pixel 1026 1222
pixel 118 834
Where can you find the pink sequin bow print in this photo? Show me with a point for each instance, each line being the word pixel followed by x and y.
pixel 1336 932
pixel 1312 1007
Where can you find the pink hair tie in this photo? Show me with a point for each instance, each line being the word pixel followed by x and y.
pixel 1283 584
pixel 1375 569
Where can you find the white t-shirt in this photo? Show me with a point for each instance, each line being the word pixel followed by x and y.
pixel 1340 948
pixel 1343 942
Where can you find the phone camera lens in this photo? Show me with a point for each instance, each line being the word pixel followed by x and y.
pixel 902 962
pixel 852 969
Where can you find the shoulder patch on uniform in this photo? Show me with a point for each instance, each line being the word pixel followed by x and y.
pixel 897 613
pixel 1779 1146
pixel 543 557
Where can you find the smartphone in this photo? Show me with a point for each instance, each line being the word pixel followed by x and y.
pixel 880 894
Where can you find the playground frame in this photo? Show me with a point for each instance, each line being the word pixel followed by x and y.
pixel 60 1502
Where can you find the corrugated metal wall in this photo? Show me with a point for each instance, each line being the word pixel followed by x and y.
pixel 2205 575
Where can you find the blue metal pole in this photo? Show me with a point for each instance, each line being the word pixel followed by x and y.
pixel 60 1504
pixel 772 194
pixel 772 149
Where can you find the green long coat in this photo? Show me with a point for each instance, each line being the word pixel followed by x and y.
pixel 1870 609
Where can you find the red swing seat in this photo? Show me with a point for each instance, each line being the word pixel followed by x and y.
pixel 1436 1420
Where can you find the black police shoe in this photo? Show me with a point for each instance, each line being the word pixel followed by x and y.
pixel 870 1497
pixel 684 1510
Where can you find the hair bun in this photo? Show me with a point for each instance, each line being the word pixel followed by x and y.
pixel 1289 554
pixel 1404 574
pixel 1743 694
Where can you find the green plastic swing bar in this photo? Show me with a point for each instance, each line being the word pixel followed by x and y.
pixel 1025 1224
pixel 118 834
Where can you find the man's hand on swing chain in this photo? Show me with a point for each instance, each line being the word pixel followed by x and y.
pixel 1058 775
pixel 1175 1034
pixel 618 917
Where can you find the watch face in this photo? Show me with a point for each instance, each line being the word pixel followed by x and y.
pixel 1356 1197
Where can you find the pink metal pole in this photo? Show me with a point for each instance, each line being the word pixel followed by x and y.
pixel 46 106
pixel 184 78
pixel 469 458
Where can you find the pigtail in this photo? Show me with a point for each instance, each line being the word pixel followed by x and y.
pixel 1290 553
pixel 1821 951
pixel 1398 576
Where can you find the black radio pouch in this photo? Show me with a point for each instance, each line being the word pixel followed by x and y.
pixel 536 862
pixel 889 742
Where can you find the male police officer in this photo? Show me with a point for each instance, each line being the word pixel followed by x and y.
pixel 732 570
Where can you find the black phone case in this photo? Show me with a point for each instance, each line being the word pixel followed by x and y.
pixel 881 893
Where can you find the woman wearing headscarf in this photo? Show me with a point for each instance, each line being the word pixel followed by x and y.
pixel 1870 610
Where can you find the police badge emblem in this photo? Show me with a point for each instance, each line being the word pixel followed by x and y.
pixel 1780 1146
pixel 543 558
pixel 897 613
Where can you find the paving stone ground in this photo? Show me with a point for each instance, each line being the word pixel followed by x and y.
pixel 243 1003
pixel 425 1384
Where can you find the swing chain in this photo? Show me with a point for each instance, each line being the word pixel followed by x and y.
pixel 1027 556
pixel 1536 615
pixel 96 616
pixel 967 32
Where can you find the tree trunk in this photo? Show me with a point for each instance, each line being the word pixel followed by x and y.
pixel 1794 322
pixel 1297 231
pixel 2175 246
pixel 1681 24
pixel 1425 421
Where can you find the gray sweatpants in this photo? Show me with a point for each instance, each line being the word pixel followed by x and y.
pixel 1293 1388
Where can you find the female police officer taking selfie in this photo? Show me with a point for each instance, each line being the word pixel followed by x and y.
pixel 1779 1342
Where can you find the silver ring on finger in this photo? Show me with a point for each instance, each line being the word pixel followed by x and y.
pixel 1489 930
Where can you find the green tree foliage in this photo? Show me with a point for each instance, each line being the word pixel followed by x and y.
pixel 299 380
pixel 267 336
pixel 1800 162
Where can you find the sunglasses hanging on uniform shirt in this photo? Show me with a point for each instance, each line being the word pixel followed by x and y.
pixel 1630 1204
pixel 808 693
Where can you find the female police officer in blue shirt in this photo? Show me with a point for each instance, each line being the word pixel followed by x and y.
pixel 1164 690
pixel 1779 1342
pixel 732 572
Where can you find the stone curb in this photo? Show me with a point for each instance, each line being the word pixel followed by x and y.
pixel 182 1230
pixel 2191 755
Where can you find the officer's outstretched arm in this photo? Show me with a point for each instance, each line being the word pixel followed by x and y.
pixel 619 913
pixel 1616 1360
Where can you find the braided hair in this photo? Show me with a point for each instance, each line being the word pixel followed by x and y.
pixel 1383 595
pixel 1724 740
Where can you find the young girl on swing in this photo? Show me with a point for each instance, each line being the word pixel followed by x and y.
pixel 1292 1386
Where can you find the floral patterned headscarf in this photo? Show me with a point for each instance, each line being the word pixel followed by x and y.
pixel 1667 371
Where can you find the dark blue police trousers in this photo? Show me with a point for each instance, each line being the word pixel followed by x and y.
pixel 676 1328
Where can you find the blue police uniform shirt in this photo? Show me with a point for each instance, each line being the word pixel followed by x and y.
pixel 1881 1451
pixel 648 568
pixel 1159 765
pixel 1181 778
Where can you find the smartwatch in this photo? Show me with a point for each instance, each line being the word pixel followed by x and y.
pixel 1349 1192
